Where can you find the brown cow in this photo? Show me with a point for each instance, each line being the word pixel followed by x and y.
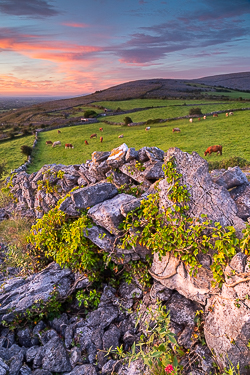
pixel 226 114
pixel 215 115
pixel 176 130
pixel 101 129
pixel 93 135
pixel 49 143
pixel 199 119
pixel 86 142
pixel 68 145
pixel 120 136
pixel 101 139
pixel 58 131
pixel 211 149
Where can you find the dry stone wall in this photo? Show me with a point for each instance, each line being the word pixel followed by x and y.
pixel 223 196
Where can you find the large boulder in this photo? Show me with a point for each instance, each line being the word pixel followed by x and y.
pixel 206 197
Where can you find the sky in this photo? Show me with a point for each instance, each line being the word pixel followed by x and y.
pixel 75 47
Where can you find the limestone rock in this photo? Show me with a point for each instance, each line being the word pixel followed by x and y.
pixel 154 171
pixel 117 156
pixel 228 315
pixel 108 213
pixel 100 156
pixel 231 178
pixel 19 294
pixel 206 197
pixel 131 154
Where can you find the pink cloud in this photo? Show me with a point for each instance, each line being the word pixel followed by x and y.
pixel 73 24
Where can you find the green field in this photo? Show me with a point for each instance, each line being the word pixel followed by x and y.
pixel 172 111
pixel 10 151
pixel 232 133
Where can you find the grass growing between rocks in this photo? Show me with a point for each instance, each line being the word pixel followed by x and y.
pixel 231 132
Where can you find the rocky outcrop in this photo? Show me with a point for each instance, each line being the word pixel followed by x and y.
pixel 223 196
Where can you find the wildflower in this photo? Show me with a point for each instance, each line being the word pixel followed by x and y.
pixel 169 369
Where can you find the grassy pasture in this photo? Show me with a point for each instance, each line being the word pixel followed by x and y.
pixel 10 151
pixel 127 105
pixel 177 111
pixel 231 132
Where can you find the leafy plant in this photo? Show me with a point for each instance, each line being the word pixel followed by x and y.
pixel 89 300
pixel 195 111
pixel 127 120
pixel 2 169
pixel 26 150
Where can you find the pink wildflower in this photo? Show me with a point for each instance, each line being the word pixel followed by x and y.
pixel 169 369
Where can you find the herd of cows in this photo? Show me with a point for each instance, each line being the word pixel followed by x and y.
pixel 210 150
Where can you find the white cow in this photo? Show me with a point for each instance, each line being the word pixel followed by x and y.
pixel 57 143
pixel 190 120
pixel 204 117
pixel 147 128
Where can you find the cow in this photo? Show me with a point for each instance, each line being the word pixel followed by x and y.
pixel 93 135
pixel 58 131
pixel 217 149
pixel 68 145
pixel 199 119
pixel 49 143
pixel 120 136
pixel 204 117
pixel 86 142
pixel 215 115
pixel 226 114
pixel 231 113
pixel 190 120
pixel 57 143
pixel 147 128
pixel 101 129
pixel 101 139
pixel 176 130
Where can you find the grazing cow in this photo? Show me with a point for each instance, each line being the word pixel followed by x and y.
pixel 49 143
pixel 215 115
pixel 57 143
pixel 176 130
pixel 68 145
pixel 199 119
pixel 147 128
pixel 93 135
pixel 58 131
pixel 226 114
pixel 204 117
pixel 211 149
pixel 86 142
pixel 101 139
pixel 120 136
pixel 231 113
pixel 190 120
pixel 101 129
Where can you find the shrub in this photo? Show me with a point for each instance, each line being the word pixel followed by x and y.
pixel 26 150
pixel 195 111
pixel 11 135
pixel 89 113
pixel 127 120
pixel 154 121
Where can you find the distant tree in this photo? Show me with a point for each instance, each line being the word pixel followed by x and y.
pixel 89 113
pixel 26 150
pixel 195 111
pixel 127 120
pixel 2 168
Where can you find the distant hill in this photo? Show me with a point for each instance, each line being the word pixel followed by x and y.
pixel 239 81
pixel 157 88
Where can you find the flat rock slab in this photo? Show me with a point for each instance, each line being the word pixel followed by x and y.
pixel 90 196
pixel 108 214
pixel 19 294
pixel 117 156
pixel 154 171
